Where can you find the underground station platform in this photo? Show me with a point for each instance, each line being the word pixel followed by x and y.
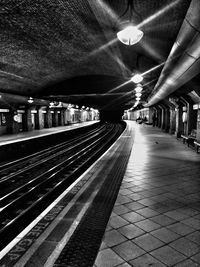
pixel 137 205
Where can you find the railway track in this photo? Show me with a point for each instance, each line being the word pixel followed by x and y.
pixel 30 184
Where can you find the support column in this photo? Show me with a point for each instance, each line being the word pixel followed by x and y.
pixel 172 122
pixel 55 118
pixel 159 117
pixel 198 125
pixel 39 121
pixel 62 117
pixel 48 119
pixel 162 117
pixel 67 119
pixel 179 122
pixel 150 115
pixel 12 126
pixel 167 119
pixel 27 120
pixel 192 118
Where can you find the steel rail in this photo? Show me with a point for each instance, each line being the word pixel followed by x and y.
pixel 51 156
pixel 13 166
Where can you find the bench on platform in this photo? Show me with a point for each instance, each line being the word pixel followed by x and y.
pixel 191 138
pixel 197 145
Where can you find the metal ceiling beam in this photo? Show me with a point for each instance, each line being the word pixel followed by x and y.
pixel 184 59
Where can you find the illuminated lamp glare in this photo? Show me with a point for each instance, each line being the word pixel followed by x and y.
pixel 137 78
pixel 30 100
pixel 138 94
pixel 138 89
pixel 130 35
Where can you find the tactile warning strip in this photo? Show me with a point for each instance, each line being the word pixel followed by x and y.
pixel 82 248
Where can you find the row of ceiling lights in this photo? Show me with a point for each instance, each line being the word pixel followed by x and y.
pixel 137 78
pixel 131 35
pixel 53 104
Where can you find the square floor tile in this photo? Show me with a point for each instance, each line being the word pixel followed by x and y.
pixel 159 198
pixel 192 222
pixel 163 220
pixel 165 235
pixel 187 263
pixel 180 228
pixel 146 261
pixel 196 258
pixel 125 192
pixel 135 196
pixel 113 238
pixel 121 209
pixel 108 258
pixel 128 250
pixel 195 237
pixel 197 216
pixel 134 206
pixel 147 225
pixel 159 207
pixel 147 212
pixel 136 189
pixel 146 201
pixel 125 185
pixel 116 222
pixel 168 256
pixel 131 231
pixel 133 217
pixel 185 246
pixel 122 199
pixel 147 193
pixel 174 214
pixel 148 242
pixel 188 211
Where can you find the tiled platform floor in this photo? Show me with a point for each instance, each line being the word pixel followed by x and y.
pixel 156 218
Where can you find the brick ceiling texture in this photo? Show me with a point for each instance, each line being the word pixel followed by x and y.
pixel 67 50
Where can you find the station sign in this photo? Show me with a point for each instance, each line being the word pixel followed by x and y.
pixel 4 110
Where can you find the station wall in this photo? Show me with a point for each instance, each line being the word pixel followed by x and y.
pixel 21 119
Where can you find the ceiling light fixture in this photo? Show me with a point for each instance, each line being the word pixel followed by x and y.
pixel 137 78
pixel 30 100
pixel 138 89
pixel 130 35
pixel 138 94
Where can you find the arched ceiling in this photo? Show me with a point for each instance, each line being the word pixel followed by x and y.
pixel 67 50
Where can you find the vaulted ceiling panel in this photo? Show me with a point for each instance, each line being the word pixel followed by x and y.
pixel 68 50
